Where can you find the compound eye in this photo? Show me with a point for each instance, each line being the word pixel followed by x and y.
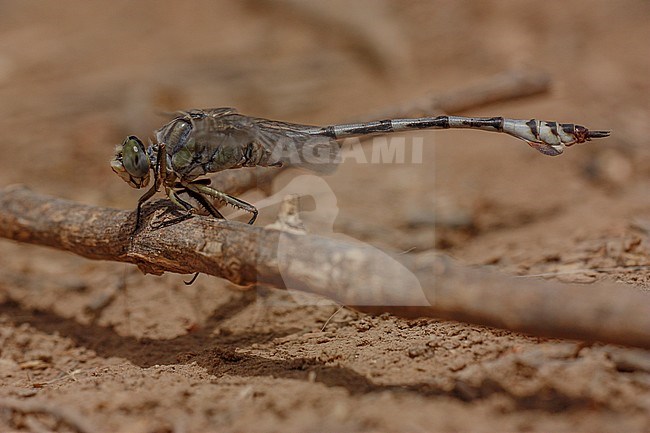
pixel 134 157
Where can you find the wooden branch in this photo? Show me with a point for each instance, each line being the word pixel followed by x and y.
pixel 353 274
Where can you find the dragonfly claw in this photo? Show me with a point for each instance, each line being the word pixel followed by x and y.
pixel 583 134
pixel 598 134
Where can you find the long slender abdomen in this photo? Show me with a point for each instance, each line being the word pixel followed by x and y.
pixel 550 138
pixel 397 125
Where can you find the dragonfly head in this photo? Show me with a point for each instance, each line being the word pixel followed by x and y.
pixel 131 162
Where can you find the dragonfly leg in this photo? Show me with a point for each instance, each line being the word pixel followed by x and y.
pixel 142 200
pixel 180 203
pixel 158 179
pixel 205 203
pixel 173 196
pixel 210 208
pixel 228 199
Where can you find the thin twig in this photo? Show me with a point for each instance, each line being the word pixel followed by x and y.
pixel 352 274
pixel 331 317
pixel 505 86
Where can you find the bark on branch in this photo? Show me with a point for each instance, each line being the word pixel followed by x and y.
pixel 353 274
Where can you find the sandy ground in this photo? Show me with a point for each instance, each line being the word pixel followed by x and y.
pixel 76 77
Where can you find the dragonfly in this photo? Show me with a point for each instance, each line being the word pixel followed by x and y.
pixel 202 141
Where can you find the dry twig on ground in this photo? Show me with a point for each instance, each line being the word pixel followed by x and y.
pixel 353 274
